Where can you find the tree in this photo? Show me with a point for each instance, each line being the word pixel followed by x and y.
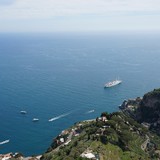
pixel 125 137
pixel 111 123
pixel 105 114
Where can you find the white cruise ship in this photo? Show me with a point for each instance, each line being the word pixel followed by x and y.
pixel 112 83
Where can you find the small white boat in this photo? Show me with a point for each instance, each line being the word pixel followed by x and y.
pixel 23 112
pixel 112 83
pixel 35 119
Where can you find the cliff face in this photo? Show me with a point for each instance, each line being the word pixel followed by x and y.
pixel 150 106
pixel 152 99
pixel 146 109
pixel 151 102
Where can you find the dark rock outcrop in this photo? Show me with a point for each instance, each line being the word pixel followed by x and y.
pixel 146 109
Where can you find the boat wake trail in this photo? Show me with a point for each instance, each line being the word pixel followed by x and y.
pixel 4 142
pixel 58 117
pixel 91 111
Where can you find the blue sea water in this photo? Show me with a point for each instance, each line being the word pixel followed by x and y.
pixel 62 77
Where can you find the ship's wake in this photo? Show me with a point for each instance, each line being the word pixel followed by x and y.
pixel 91 111
pixel 58 117
pixel 4 142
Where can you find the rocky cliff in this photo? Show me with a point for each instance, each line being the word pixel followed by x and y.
pixel 145 109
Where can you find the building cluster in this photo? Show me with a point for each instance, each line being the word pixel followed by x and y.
pixel 6 156
pixel 90 155
pixel 66 136
pixel 18 156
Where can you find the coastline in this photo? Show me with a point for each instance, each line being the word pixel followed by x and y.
pixel 128 118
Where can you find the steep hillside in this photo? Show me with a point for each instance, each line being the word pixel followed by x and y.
pixel 150 106
pixel 145 110
pixel 113 136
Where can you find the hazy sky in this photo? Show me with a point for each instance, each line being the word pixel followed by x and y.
pixel 79 15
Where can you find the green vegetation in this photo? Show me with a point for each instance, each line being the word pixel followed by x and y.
pixel 120 137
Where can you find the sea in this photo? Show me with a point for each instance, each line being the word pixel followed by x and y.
pixel 59 78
